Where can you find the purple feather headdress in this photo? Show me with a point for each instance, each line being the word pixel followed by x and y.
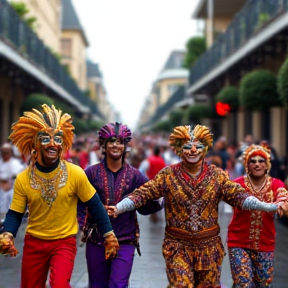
pixel 116 130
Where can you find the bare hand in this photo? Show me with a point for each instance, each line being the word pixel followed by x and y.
pixel 111 211
pixel 282 210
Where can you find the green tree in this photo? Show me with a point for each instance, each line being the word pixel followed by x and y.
pixel 162 126
pixel 282 83
pixel 198 111
pixel 96 125
pixel 22 10
pixel 258 90
pixel 176 118
pixel 36 101
pixel 81 126
pixel 195 47
pixel 229 95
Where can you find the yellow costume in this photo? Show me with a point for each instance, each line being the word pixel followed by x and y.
pixel 57 220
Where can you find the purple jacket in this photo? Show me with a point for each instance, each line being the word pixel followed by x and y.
pixel 112 188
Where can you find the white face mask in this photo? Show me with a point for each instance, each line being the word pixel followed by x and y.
pixel 193 152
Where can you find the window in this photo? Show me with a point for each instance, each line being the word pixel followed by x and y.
pixel 66 48
pixel 172 89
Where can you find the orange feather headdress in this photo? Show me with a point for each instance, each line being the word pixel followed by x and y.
pixel 25 130
pixel 184 134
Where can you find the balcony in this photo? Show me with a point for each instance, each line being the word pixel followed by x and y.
pixel 24 48
pixel 254 17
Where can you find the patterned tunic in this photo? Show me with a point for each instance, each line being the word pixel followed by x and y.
pixel 246 227
pixel 112 188
pixel 191 208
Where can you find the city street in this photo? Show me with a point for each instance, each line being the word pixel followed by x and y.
pixel 149 269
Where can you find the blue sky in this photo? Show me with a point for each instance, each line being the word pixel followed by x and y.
pixel 131 40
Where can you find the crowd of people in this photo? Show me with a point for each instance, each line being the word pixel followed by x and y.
pixel 96 184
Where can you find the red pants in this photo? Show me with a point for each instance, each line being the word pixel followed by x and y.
pixel 42 256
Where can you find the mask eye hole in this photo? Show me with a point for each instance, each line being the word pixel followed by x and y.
pixel 44 140
pixel 254 161
pixel 187 146
pixel 58 139
pixel 199 147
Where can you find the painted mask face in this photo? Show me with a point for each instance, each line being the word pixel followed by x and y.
pixel 257 166
pixel 50 147
pixel 114 148
pixel 193 152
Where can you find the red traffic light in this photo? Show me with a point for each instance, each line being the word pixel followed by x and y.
pixel 222 109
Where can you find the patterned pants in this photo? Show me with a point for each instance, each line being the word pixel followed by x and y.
pixel 184 269
pixel 251 269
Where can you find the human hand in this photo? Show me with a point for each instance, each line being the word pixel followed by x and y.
pixel 7 244
pixel 111 246
pixel 111 211
pixel 283 210
pixel 282 195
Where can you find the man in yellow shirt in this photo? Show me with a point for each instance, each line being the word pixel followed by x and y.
pixel 50 187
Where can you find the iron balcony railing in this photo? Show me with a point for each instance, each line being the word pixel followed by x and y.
pixel 254 15
pixel 19 36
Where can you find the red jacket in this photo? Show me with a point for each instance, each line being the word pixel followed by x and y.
pixel 156 163
pixel 255 229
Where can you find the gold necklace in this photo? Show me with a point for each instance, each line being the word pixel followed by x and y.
pixel 49 186
pixel 252 186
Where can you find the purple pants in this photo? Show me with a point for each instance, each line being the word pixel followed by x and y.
pixel 112 273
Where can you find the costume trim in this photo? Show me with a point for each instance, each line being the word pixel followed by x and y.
pixel 194 237
pixel 49 186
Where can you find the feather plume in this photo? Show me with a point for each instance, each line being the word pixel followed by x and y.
pixel 25 130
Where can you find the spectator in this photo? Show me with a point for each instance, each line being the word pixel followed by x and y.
pixel 10 164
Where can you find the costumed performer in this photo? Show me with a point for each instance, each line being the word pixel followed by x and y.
pixel 114 179
pixel 50 187
pixel 251 234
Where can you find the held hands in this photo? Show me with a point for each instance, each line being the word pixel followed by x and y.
pixel 111 245
pixel 7 244
pixel 281 202
pixel 282 210
pixel 111 211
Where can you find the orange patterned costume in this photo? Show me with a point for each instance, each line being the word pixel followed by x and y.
pixel 192 242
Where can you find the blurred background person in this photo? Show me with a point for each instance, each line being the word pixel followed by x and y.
pixel 6 195
pixel 10 164
pixel 150 167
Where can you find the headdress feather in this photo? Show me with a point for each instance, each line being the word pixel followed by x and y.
pixel 117 130
pixel 183 134
pixel 25 130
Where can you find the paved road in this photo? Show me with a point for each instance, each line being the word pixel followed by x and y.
pixel 149 269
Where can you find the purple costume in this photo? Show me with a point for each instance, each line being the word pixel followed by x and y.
pixel 112 188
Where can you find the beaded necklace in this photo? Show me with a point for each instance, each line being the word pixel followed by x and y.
pixel 49 186
pixel 260 192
